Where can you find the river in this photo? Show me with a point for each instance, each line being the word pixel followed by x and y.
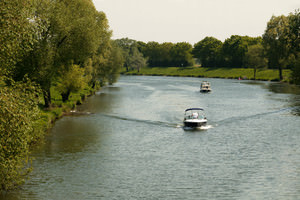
pixel 131 144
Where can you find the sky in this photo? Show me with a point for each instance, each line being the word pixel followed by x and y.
pixel 190 20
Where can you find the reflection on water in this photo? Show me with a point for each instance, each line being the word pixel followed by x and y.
pixel 133 146
pixel 293 92
pixel 283 88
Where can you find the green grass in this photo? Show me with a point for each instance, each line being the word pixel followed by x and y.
pixel 58 107
pixel 232 73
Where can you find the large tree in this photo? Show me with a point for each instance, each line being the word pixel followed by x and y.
pixel 181 54
pixel 294 41
pixel 207 51
pixel 275 40
pixel 137 60
pixel 255 58
pixel 126 45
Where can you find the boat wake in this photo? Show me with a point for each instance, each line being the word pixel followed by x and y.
pixel 254 116
pixel 206 127
pixel 157 123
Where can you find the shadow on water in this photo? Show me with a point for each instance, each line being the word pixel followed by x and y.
pixel 293 90
pixel 283 88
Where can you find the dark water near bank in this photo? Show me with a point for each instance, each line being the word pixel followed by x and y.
pixel 133 146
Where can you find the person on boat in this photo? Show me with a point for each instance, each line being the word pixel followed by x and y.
pixel 195 115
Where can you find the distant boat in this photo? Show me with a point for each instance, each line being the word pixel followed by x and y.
pixel 194 118
pixel 205 87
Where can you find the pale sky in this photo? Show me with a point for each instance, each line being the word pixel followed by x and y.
pixel 190 20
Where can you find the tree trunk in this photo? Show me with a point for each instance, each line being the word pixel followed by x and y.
pixel 65 96
pixel 280 73
pixel 254 73
pixel 47 98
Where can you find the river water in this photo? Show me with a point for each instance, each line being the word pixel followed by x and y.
pixel 133 145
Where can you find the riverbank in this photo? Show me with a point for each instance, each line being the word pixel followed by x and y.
pixel 195 71
pixel 59 108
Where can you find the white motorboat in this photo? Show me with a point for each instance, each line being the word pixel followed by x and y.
pixel 194 118
pixel 205 86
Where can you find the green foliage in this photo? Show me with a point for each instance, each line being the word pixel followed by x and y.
pixel 115 63
pixel 168 54
pixel 72 80
pixel 255 58
pixel 181 54
pixel 296 71
pixel 73 32
pixel 17 31
pixel 19 115
pixel 275 40
pixel 234 50
pixel 136 60
pixel 208 51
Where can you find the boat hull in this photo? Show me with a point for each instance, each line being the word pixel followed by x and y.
pixel 205 91
pixel 194 124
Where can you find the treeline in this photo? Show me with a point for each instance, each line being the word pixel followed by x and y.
pixel 62 46
pixel 278 48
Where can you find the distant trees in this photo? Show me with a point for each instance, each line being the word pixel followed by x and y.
pixel 208 52
pixel 211 52
pixel 234 50
pixel 155 54
pixel 136 59
pixel 279 46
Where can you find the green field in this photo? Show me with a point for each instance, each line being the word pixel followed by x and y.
pixel 230 73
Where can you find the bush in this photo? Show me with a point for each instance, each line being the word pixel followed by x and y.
pixel 19 118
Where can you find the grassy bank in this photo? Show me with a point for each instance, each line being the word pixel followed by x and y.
pixel 59 108
pixel 232 73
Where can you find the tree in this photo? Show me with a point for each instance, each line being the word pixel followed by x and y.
pixel 152 52
pixel 275 40
pixel 137 61
pixel 294 42
pixel 234 49
pixel 72 79
pixel 296 71
pixel 294 32
pixel 126 45
pixel 255 58
pixel 115 62
pixel 110 64
pixel 181 54
pixel 208 51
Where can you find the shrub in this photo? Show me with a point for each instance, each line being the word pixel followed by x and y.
pixel 19 115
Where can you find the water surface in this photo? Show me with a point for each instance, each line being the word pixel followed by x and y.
pixel 133 146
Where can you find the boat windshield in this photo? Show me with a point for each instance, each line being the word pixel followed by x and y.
pixel 194 114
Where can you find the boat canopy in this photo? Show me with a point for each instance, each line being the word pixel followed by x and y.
pixel 193 109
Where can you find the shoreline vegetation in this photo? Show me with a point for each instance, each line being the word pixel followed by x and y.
pixel 197 71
